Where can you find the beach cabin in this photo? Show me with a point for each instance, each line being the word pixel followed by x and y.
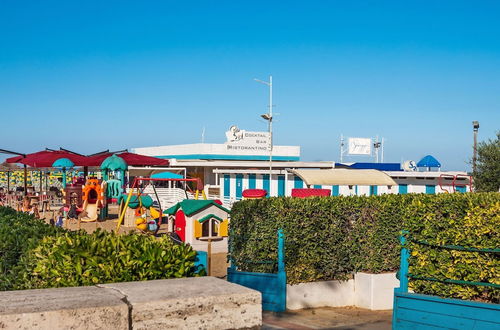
pixel 200 222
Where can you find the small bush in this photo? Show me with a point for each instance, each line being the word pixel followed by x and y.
pixel 35 255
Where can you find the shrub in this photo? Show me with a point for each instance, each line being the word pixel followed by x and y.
pixel 19 233
pixel 473 222
pixel 331 237
pixel 35 255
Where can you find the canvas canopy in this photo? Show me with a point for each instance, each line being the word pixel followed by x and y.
pixel 345 177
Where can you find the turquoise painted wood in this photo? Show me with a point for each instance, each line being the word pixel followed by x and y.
pixel 418 311
pixel 281 185
pixel 317 186
pixel 373 190
pixel 239 186
pixel 266 185
pixel 430 189
pixel 272 286
pixel 251 181
pixel 227 186
pixel 298 183
pixel 201 261
pixel 403 189
pixel 335 191
pixel 461 189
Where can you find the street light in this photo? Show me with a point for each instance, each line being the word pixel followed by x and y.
pixel 475 126
pixel 269 118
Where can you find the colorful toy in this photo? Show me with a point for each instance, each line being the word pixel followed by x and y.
pixel 93 199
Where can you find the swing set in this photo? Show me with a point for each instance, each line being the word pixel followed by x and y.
pixel 140 191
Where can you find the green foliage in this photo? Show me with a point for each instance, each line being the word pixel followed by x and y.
pixel 487 174
pixel 19 233
pixel 332 237
pixel 36 255
pixel 474 222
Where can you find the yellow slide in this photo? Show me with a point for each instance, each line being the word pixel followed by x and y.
pixel 90 212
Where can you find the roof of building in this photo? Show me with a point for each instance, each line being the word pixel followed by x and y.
pixel 372 166
pixel 191 206
pixel 428 161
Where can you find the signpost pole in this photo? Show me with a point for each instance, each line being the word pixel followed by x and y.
pixel 270 131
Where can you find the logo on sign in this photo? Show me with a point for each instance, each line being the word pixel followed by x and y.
pixel 238 139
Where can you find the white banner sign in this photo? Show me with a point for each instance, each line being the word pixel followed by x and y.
pixel 360 146
pixel 244 140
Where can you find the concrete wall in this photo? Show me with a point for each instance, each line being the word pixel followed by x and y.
pixel 187 303
pixel 371 291
pixel 375 291
pixel 320 294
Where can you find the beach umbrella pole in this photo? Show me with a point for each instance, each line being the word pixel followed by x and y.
pixel 64 178
pixel 25 180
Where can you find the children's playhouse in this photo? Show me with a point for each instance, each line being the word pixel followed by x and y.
pixel 200 223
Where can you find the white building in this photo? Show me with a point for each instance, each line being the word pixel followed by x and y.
pixel 242 162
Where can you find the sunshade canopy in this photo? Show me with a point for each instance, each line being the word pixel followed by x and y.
pixel 428 161
pixel 46 158
pixel 130 158
pixel 114 163
pixel 9 167
pixel 63 163
pixel 345 177
pixel 167 175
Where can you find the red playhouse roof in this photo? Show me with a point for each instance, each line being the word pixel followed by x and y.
pixel 46 158
pixel 305 192
pixel 130 158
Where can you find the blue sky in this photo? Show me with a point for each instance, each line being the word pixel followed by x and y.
pixel 93 75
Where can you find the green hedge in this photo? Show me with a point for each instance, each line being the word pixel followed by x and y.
pixel 332 237
pixel 35 255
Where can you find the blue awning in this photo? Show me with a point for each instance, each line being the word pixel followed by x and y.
pixel 167 175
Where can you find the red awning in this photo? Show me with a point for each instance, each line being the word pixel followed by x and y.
pixel 130 158
pixel 46 158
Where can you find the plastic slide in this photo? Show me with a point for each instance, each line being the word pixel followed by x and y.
pixel 91 212
pixel 93 197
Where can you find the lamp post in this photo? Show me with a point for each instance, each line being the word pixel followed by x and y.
pixel 475 126
pixel 269 118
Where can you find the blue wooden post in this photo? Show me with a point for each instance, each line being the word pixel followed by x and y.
pixel 403 266
pixel 281 270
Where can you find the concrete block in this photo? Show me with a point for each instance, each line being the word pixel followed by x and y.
pixel 375 291
pixel 320 294
pixel 63 308
pixel 191 303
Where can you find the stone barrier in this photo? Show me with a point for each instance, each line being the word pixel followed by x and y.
pixel 186 303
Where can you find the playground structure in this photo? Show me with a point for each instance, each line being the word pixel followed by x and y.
pixel 136 199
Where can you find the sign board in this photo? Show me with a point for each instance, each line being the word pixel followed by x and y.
pixel 245 140
pixel 410 166
pixel 360 146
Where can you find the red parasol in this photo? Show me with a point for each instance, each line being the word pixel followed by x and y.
pixel 130 158
pixel 46 158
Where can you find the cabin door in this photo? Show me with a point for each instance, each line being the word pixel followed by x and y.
pixel 180 225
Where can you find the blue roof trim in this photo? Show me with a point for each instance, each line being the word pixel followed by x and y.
pixel 372 166
pixel 230 157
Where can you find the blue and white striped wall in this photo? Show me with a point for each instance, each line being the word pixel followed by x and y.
pixel 233 184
